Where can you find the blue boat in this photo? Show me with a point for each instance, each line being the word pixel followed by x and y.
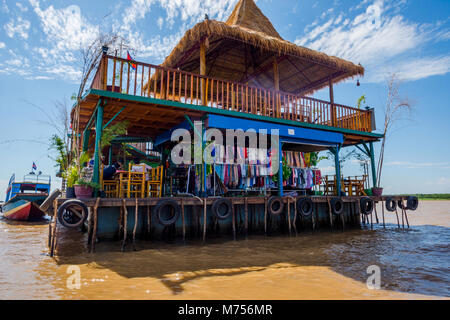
pixel 24 197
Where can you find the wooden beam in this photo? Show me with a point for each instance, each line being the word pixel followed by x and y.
pixel 276 75
pixel 203 71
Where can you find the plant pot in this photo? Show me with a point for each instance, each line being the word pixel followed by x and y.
pixel 70 193
pixel 377 192
pixel 368 192
pixel 83 192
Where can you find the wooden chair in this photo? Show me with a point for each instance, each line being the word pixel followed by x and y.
pixel 154 184
pixel 109 187
pixel 136 181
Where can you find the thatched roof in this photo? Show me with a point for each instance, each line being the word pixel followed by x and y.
pixel 243 49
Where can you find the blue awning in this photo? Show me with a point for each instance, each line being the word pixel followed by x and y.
pixel 165 136
pixel 289 134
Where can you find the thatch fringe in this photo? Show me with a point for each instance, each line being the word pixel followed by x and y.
pixel 212 28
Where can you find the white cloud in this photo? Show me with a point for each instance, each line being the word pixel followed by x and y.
pixel 65 28
pixel 417 68
pixel 19 27
pixel 2 45
pixel 375 38
pixel 21 7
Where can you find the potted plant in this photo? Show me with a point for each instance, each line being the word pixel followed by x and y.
pixel 84 189
pixel 71 175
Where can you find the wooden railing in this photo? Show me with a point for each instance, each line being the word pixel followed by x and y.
pixel 142 79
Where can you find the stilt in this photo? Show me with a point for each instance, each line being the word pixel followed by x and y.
pixel 182 220
pixel 136 213
pixel 289 215
pixel 382 212
pixel 125 218
pixel 406 218
pixel 234 219
pixel 343 221
pixel 246 216
pixel 295 217
pixel 403 221
pixel 331 214
pixel 265 216
pixel 95 222
pixel 55 219
pixel 376 214
pixel 312 216
pixel 396 214
pixel 204 220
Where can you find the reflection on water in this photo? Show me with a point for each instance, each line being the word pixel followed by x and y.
pixel 319 265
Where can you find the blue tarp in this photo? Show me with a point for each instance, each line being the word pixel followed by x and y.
pixel 287 133
pixel 165 136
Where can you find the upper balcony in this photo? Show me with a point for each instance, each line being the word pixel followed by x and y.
pixel 146 80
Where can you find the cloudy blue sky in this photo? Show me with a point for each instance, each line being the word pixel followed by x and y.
pixel 40 64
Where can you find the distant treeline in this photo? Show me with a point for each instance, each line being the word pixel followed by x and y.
pixel 433 196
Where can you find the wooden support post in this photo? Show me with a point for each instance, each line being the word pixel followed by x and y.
pixel 376 214
pixel 94 230
pixel 332 106
pixel 246 215
pixel 295 216
pixel 316 213
pixel 372 164
pixel 396 214
pixel 289 215
pixel 382 210
pixel 337 165
pixel 136 212
pixel 406 217
pixel 276 84
pixel 53 233
pixel 125 218
pixel 233 211
pixel 265 216
pixel 330 213
pixel 204 219
pixel 98 137
pixel 280 169
pixel 203 71
pixel 182 220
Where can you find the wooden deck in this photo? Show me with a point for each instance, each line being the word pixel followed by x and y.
pixel 145 80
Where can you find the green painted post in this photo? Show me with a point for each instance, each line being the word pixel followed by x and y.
pixel 86 135
pixel 110 155
pixel 280 170
pixel 338 170
pixel 98 137
pixel 372 164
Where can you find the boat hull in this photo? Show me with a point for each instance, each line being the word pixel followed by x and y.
pixel 22 210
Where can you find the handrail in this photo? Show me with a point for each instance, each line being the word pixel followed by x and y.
pixel 117 74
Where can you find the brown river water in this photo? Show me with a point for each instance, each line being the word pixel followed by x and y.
pixel 414 264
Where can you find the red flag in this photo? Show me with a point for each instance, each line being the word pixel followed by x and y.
pixel 129 58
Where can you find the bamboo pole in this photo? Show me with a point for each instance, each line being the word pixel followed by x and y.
pixel 136 212
pixel 246 216
pixel 382 210
pixel 204 219
pixel 265 215
pixel 183 221
pixel 94 231
pixel 289 215
pixel 234 219
pixel 55 222
pixel 125 217
pixel 331 214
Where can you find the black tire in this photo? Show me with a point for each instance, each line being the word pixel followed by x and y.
pixel 400 204
pixel 219 205
pixel 72 213
pixel 160 210
pixel 305 206
pixel 275 205
pixel 366 205
pixel 412 203
pixel 391 205
pixel 337 206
